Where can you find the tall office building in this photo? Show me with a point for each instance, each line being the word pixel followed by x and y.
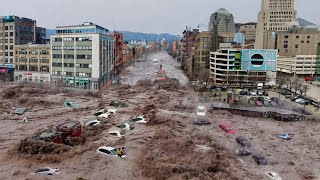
pixel 222 22
pixel 14 30
pixel 82 56
pixel 276 15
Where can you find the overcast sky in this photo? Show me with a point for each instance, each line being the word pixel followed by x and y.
pixel 152 16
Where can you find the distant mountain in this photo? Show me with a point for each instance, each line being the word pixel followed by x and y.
pixel 129 36
pixel 50 32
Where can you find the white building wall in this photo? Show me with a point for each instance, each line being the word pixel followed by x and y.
pixel 95 56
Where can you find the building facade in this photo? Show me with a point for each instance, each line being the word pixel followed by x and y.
pixel 301 65
pixel 118 51
pixel 82 57
pixel 32 63
pixel 275 15
pixel 295 41
pixel 14 30
pixel 238 67
pixel 202 51
pixel 40 35
pixel 249 31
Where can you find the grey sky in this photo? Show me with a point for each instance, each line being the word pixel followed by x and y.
pixel 154 16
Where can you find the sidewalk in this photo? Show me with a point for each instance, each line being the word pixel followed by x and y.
pixel 313 92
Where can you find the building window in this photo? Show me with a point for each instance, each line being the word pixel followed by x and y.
pixel 286 42
pixel 285 46
pixel 286 36
pixel 11 40
pixel 302 41
pixel 308 41
pixel 6 28
pixel 297 37
pixel 11 34
pixel 308 37
pixel 57 39
pixel 297 45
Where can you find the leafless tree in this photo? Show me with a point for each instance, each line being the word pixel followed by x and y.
pixel 204 75
pixel 281 80
pixel 289 82
pixel 305 88
pixel 296 84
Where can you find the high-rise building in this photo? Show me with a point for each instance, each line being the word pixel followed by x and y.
pixel 41 35
pixel 82 56
pixel 14 30
pixel 222 22
pixel 276 15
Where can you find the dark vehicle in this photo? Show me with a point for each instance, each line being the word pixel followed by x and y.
pixel 49 135
pixel 293 98
pixel 275 99
pixel 260 160
pixel 260 93
pixel 201 122
pixel 118 103
pixel 243 141
pixel 243 152
pixel 243 93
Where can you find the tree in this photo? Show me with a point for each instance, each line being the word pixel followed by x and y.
pixel 295 84
pixel 305 88
pixel 289 82
pixel 281 81
pixel 300 88
pixel 204 75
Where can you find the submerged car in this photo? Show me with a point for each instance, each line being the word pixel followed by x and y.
pixel 108 151
pixel 200 122
pixel 201 111
pixel 117 132
pixel 139 119
pixel 47 171
pixel 92 122
pixel 243 152
pixel 227 129
pixel 273 175
pixel 285 136
pixel 260 159
pixel 243 141
pixel 126 126
pixel 103 113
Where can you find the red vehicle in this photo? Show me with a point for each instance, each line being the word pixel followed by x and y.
pixel 72 129
pixel 227 129
pixel 265 93
pixel 258 103
pixel 49 135
pixel 161 75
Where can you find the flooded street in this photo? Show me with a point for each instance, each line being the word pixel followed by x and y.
pixel 147 67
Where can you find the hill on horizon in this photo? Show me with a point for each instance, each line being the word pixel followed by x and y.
pixel 129 36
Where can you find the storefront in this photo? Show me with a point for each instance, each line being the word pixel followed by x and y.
pixel 37 77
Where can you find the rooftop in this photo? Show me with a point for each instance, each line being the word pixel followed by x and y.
pixel 223 11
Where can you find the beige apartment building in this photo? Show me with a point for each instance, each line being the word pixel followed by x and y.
pixel 32 63
pixel 249 31
pixel 293 42
pixel 202 51
pixel 275 15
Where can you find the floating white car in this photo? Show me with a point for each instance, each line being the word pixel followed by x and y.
pixel 105 113
pixel 92 122
pixel 108 151
pixel 117 132
pixel 139 119
pixel 126 126
pixel 273 175
pixel 201 111
pixel 48 171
